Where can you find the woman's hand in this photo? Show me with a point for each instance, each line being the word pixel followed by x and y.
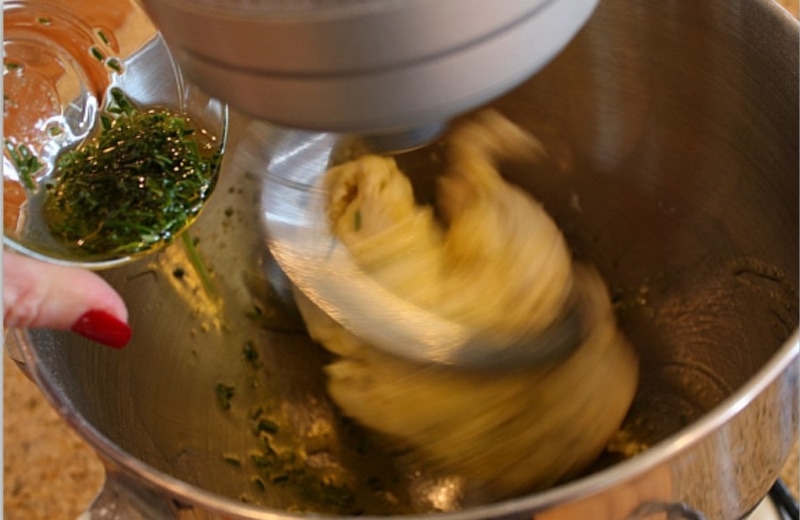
pixel 41 295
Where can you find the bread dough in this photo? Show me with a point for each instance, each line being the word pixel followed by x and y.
pixel 496 262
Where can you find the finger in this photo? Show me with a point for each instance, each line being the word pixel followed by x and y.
pixel 41 295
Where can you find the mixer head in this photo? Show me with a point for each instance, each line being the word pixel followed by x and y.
pixel 395 69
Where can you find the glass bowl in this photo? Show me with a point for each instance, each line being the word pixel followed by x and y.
pixel 62 60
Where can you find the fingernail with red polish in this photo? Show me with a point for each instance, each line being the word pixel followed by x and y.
pixel 104 328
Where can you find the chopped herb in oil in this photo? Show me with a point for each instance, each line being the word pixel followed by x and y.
pixel 135 185
pixel 94 51
pixel 254 313
pixel 258 483
pixel 199 266
pixel 250 354
pixel 265 426
pixel 25 162
pixel 224 395
pixel 282 470
pixel 233 460
pixel 102 36
pixel 114 64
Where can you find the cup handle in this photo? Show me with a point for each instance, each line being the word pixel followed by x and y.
pixel 122 499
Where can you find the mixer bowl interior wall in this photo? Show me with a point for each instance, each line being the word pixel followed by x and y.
pixel 672 135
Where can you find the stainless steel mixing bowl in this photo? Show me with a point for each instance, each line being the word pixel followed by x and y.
pixel 673 136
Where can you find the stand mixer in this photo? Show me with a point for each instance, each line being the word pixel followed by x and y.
pixel 395 68
pixel 393 72
pixel 680 119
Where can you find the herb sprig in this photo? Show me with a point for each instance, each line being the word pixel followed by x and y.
pixel 25 162
pixel 137 184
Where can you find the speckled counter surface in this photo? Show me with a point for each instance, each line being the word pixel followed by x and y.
pixel 51 474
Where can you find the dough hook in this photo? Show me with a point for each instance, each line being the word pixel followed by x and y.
pixel 293 204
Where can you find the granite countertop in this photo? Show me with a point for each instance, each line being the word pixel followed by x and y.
pixel 49 471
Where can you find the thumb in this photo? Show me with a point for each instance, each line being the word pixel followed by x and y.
pixel 41 295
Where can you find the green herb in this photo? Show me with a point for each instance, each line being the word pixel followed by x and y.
pixel 257 412
pixel 94 51
pixel 199 266
pixel 255 313
pixel 258 483
pixel 250 354
pixel 44 20
pixel 357 221
pixel 287 470
pixel 25 162
pixel 114 64
pixel 102 36
pixel 233 460
pixel 12 65
pixel 265 426
pixel 263 460
pixel 136 184
pixel 224 395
